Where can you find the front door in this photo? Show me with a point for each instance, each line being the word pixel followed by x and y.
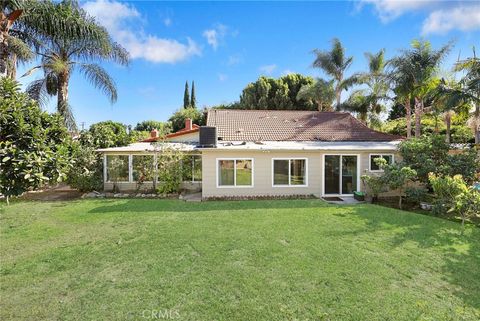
pixel 340 174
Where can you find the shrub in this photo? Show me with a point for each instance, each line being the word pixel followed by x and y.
pixel 374 186
pixel 466 163
pixel 446 189
pixel 33 144
pixel 425 155
pixel 467 204
pixel 416 195
pixel 170 174
pixel 87 173
pixel 397 177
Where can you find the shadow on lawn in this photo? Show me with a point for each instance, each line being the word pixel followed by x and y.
pixel 461 266
pixel 142 205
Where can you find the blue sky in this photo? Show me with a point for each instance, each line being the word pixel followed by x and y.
pixel 222 46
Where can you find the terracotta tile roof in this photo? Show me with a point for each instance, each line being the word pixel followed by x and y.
pixel 279 125
pixel 184 131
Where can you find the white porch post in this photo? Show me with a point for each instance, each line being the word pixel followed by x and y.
pixel 104 168
pixel 130 171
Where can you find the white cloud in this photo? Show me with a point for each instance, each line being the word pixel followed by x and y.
pixel 215 35
pixel 288 72
pixel 167 22
pixel 388 10
pixel 268 69
pixel 116 16
pixel 222 77
pixel 464 18
pixel 442 16
pixel 110 13
pixel 234 60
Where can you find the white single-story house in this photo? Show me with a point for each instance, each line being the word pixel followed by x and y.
pixel 261 153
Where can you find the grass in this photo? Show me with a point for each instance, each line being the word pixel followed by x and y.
pixel 250 260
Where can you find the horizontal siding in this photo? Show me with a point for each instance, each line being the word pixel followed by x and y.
pixel 263 172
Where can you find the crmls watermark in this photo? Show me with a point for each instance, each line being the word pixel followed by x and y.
pixel 162 314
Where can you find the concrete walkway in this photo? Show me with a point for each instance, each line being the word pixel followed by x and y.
pixel 345 200
pixel 194 197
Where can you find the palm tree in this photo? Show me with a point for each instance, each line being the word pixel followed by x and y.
pixel 12 48
pixel 414 71
pixel 334 63
pixel 64 52
pixel 446 104
pixel 470 90
pixel 368 102
pixel 321 92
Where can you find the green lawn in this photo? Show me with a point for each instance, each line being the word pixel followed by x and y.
pixel 250 260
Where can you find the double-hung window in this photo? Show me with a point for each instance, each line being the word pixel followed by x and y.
pixel 373 165
pixel 289 172
pixel 235 172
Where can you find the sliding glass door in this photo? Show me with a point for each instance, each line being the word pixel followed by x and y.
pixel 340 174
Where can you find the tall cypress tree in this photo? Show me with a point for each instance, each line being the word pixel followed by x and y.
pixel 193 99
pixel 186 96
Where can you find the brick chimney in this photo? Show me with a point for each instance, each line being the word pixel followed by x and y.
pixel 188 124
pixel 154 133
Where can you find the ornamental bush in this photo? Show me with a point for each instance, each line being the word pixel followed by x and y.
pixel 86 173
pixel 34 145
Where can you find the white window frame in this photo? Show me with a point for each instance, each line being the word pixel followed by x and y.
pixel 154 166
pixel 381 155
pixel 105 169
pixel 235 159
pixel 193 167
pixel 289 172
pixel 359 187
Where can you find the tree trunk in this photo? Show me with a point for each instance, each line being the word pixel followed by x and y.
pixel 7 198
pixel 476 131
pixel 12 71
pixel 408 117
pixel 62 97
pixel 3 50
pixel 448 118
pixel 400 201
pixel 418 117
pixel 338 95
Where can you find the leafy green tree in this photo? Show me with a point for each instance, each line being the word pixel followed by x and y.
pixel 397 110
pixel 178 118
pixel 430 154
pixel 193 97
pixel 34 145
pixel 374 186
pixel 396 176
pixel 321 93
pixel 276 94
pixel 86 173
pixel 418 67
pixel 62 53
pixel 467 204
pixel 149 125
pixel 105 134
pixel 335 63
pixel 425 155
pixel 186 97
